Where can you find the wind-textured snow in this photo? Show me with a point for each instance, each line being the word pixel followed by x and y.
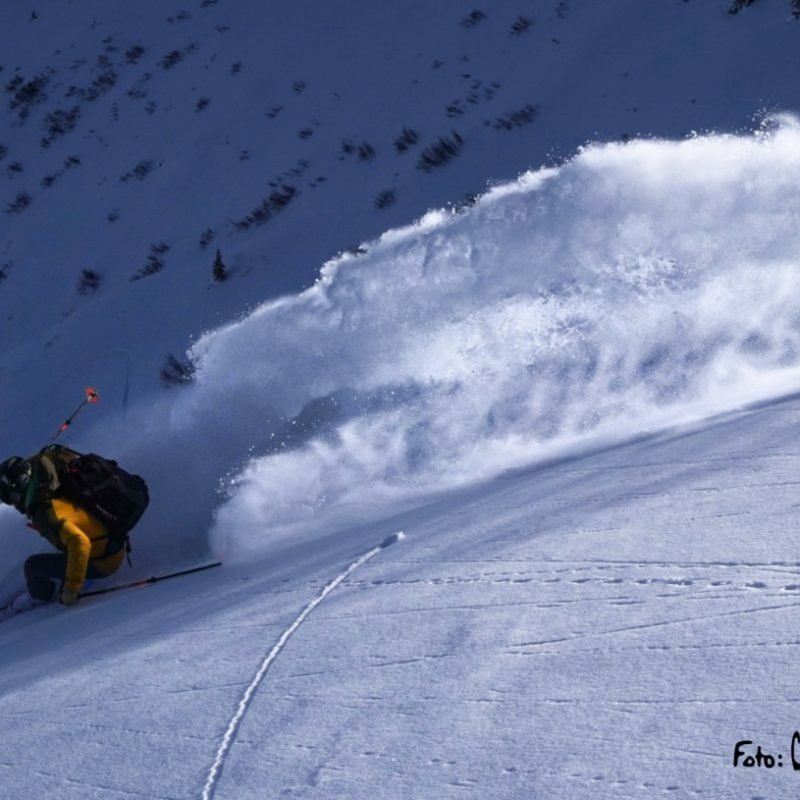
pixel 569 381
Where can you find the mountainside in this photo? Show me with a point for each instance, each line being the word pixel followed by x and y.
pixel 519 281
pixel 137 141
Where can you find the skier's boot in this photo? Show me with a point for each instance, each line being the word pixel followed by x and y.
pixel 25 603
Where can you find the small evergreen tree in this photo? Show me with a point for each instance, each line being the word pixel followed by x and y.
pixel 219 270
pixel 88 282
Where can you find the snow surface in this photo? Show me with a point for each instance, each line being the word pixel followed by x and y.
pixel 573 394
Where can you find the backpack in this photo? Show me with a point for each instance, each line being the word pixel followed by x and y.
pixel 100 486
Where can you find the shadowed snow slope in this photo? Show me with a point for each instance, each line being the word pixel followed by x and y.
pixel 168 124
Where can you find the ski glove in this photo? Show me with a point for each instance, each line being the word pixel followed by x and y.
pixel 68 598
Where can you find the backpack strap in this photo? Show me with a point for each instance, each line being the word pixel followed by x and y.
pixel 43 485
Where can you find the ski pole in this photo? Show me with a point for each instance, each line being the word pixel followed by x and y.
pixel 91 397
pixel 153 579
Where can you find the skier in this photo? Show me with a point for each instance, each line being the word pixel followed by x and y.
pixel 87 548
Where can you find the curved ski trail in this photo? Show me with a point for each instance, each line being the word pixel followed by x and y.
pixel 230 734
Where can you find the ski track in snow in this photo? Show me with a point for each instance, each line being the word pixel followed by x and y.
pixel 230 733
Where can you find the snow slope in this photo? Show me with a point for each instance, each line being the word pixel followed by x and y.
pixel 610 625
pixel 543 388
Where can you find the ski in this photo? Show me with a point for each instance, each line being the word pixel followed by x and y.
pixel 7 611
